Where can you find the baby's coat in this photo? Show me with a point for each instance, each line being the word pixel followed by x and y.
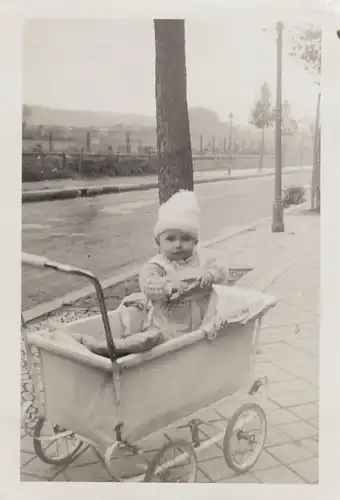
pixel 183 315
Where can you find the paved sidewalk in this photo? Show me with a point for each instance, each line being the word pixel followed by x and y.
pixel 287 266
pixel 73 188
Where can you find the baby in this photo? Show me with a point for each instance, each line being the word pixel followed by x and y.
pixel 163 278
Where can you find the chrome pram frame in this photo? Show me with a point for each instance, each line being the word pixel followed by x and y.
pixel 115 366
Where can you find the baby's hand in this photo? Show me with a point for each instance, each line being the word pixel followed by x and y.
pixel 176 289
pixel 207 279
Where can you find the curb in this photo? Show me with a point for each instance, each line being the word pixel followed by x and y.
pixel 84 192
pixel 47 308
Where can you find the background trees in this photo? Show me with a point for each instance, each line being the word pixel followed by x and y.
pixel 262 116
pixel 306 44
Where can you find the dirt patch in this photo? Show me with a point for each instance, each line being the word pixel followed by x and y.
pixel 113 295
pixel 87 306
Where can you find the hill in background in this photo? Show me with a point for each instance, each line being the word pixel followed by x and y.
pixel 202 121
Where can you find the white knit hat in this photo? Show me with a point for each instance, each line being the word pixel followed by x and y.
pixel 179 213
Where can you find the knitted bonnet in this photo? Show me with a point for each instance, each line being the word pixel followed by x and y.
pixel 179 213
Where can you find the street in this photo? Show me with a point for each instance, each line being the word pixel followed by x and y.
pixel 112 233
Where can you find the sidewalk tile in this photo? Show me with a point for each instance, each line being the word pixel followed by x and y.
pixel 310 444
pixel 25 458
pixel 286 320
pixel 241 478
pixel 201 478
pixel 306 411
pixel 308 469
pixel 278 475
pixel 290 385
pixel 305 371
pixel 38 468
pixel 314 422
pixel 26 444
pixel 297 363
pixel 314 379
pixel 210 453
pixel 88 473
pixel 285 350
pixel 267 404
pixel 289 453
pixel 299 430
pixel 281 416
pixel 296 398
pixel 276 436
pixel 265 461
pixel 309 330
pixel 216 469
pixel 273 372
pixel 27 478
pixel 279 334
pixel 183 433
pixel 84 457
pixel 228 408
pixel 309 345
pixel 207 430
pixel 60 478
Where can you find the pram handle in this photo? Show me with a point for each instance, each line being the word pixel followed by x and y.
pixel 43 263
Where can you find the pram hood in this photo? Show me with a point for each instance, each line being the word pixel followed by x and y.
pixel 230 305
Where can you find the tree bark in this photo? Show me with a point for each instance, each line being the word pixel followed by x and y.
pixel 262 150
pixel 316 163
pixel 175 168
pixel 317 174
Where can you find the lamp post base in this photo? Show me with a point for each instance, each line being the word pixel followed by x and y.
pixel 277 224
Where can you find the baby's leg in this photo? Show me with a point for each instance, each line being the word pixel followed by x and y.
pixel 139 342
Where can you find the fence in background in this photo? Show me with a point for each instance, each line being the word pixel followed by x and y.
pixel 144 141
pixel 41 166
pixel 62 152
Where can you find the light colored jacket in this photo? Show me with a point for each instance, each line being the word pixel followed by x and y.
pixel 185 314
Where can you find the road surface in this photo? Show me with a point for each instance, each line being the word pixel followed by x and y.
pixel 112 233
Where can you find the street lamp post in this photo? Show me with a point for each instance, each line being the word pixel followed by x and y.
pixel 231 116
pixel 277 224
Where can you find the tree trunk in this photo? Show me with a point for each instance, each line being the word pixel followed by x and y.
pixel 50 142
pixel 316 163
pixel 262 150
pixel 317 174
pixel 175 169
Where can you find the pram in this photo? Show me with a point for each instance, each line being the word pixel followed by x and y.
pixel 116 404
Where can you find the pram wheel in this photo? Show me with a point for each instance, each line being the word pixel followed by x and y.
pixel 175 463
pixel 54 445
pixel 244 440
pixel 125 463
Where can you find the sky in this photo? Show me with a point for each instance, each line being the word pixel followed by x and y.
pixel 108 65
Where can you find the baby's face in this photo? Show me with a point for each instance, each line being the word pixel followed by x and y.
pixel 176 245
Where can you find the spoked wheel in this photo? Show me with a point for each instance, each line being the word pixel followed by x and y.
pixel 125 463
pixel 53 444
pixel 244 437
pixel 175 463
